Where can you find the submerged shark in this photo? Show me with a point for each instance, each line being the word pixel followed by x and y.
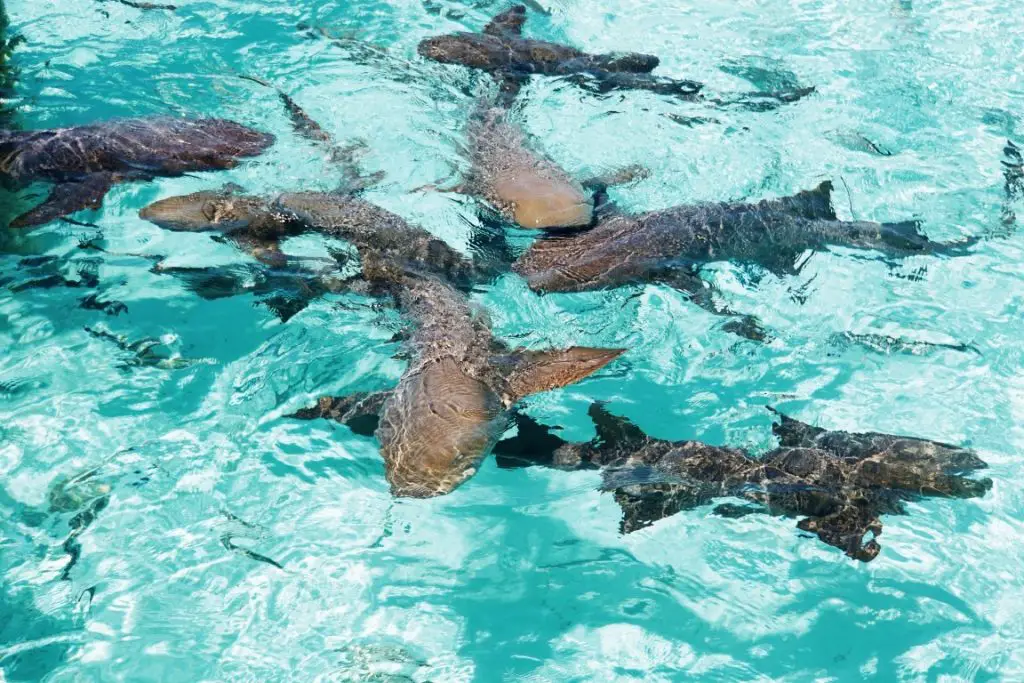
pixel 501 51
pixel 838 482
pixel 84 162
pixel 451 404
pixel 669 245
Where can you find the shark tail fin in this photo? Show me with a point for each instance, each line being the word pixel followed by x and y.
pixel 793 433
pixel 815 204
pixel 509 22
pixel 537 371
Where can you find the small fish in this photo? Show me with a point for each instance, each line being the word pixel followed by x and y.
pixel 226 541
pixel 881 343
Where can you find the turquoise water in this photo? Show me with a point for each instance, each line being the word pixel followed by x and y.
pixel 519 575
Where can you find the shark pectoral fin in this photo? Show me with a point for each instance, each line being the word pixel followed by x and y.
pixel 644 504
pixel 533 444
pixel 813 204
pixel 846 530
pixel 286 306
pixel 509 22
pixel 536 371
pixel 509 85
pixel 783 262
pixel 702 293
pixel 67 198
pixel 613 430
pixel 360 412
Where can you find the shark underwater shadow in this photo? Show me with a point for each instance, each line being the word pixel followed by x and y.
pixel 838 483
pixel 84 162
pixel 501 51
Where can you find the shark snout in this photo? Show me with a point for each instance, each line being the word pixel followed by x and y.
pixel 427 486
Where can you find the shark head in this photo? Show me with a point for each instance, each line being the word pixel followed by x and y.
pixel 541 201
pixel 925 466
pixel 436 429
pixel 204 211
pixel 441 422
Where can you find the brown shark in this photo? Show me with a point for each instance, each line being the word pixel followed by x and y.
pixel 451 404
pixel 501 51
pixel 252 223
pixel 838 482
pixel 258 225
pixel 669 245
pixel 85 161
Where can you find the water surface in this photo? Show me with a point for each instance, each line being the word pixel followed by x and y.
pixel 517 576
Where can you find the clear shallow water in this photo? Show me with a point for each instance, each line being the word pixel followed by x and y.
pixel 518 575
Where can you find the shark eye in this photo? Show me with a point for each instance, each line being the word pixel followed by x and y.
pixel 210 211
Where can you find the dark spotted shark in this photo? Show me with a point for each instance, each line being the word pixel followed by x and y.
pixel 451 404
pixel 669 245
pixel 839 483
pixel 84 162
pixel 501 51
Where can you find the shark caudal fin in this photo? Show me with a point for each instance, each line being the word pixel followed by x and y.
pixel 532 372
pixel 906 237
pixel 793 433
pixel 509 22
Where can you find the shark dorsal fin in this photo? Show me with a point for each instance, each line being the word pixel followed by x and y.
pixel 613 430
pixel 509 22
pixel 792 432
pixel 813 204
pixel 536 371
